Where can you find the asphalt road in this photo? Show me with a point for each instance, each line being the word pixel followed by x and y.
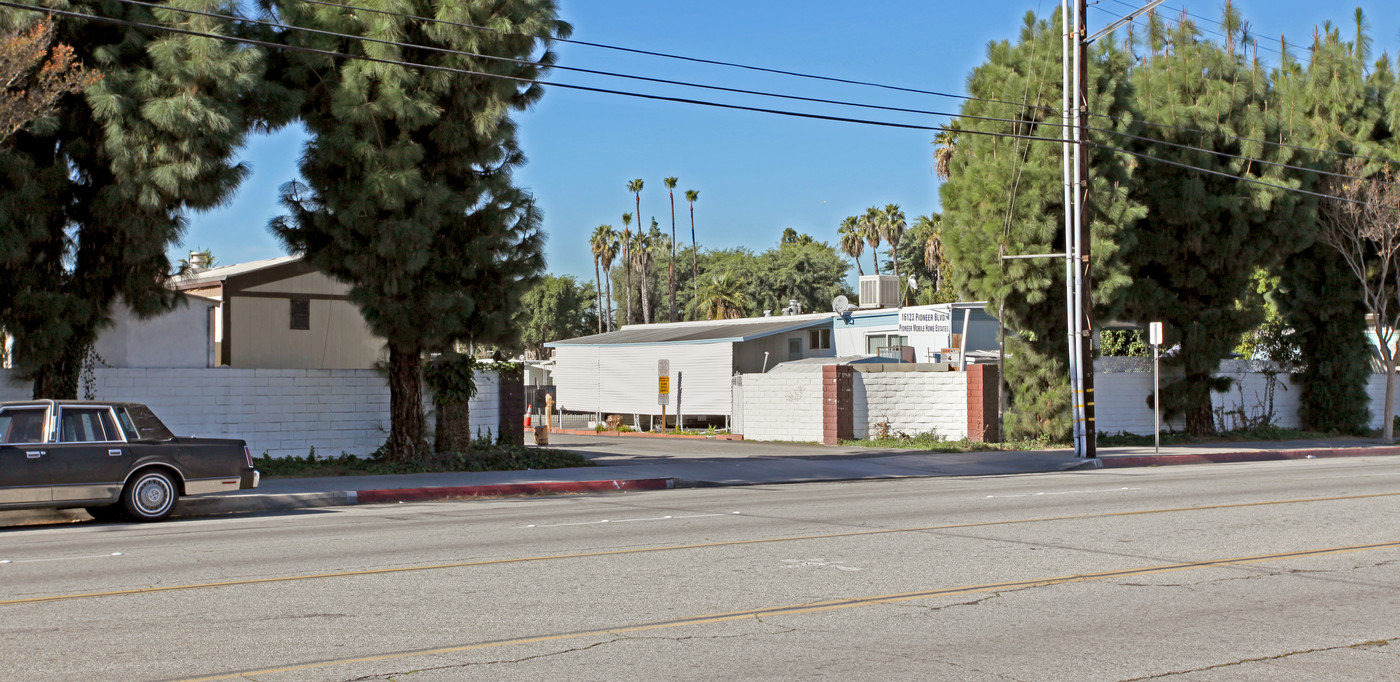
pixel 1281 570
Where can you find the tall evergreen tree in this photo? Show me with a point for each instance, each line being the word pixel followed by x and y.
pixel 93 195
pixel 1331 103
pixel 1006 196
pixel 409 195
pixel 692 196
pixel 1193 255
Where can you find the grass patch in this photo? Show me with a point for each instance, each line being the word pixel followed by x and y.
pixel 490 458
pixel 933 442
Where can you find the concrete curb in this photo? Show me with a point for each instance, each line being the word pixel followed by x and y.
pixel 508 490
pixel 1125 461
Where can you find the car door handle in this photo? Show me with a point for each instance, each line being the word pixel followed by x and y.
pixel 115 452
pixel 34 454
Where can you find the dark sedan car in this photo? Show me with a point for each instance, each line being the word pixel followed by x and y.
pixel 117 460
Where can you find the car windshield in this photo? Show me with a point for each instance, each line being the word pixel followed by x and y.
pixel 140 423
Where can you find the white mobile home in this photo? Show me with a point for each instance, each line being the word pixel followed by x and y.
pixel 616 372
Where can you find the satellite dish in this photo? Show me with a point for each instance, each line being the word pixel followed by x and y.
pixel 840 305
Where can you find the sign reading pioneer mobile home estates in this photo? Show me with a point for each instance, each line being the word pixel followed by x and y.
pixel 932 324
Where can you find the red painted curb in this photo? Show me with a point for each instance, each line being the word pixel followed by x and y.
pixel 509 489
pixel 1123 461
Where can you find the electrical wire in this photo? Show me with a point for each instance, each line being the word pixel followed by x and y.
pixel 649 53
pixel 1024 105
pixel 343 55
pixel 467 72
pixel 526 62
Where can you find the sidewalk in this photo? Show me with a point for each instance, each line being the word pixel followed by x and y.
pixel 628 464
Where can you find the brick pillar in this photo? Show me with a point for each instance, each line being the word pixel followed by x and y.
pixel 838 394
pixel 511 427
pixel 982 403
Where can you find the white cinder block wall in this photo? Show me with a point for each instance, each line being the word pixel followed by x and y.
pixel 280 412
pixel 784 406
pixel 1121 402
pixel 910 402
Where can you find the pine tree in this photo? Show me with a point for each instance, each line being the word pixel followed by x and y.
pixel 93 195
pixel 1006 196
pixel 409 195
pixel 1193 255
pixel 1332 104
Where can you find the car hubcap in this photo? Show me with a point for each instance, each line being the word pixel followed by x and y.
pixel 153 495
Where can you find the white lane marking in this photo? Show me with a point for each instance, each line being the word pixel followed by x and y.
pixel 594 523
pixel 817 563
pixel 62 558
pixel 1066 492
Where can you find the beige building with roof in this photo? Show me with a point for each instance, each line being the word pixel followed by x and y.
pixel 281 313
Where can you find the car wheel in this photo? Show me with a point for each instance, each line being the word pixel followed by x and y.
pixel 150 497
pixel 107 512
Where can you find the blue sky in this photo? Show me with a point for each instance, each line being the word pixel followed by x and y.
pixel 756 173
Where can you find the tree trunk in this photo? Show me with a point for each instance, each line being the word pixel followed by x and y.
pixel 610 300
pixel 627 271
pixel 646 296
pixel 405 404
pixel 598 293
pixel 671 267
pixel 1199 420
pixel 453 431
pixel 1388 418
pixel 59 381
pixel 694 256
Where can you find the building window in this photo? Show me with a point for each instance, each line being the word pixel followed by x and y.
pixel 875 342
pixel 819 339
pixel 301 313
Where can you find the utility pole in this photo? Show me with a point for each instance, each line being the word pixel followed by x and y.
pixel 1084 324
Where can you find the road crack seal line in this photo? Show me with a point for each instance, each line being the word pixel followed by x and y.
pixel 454 666
pixel 793 609
pixel 1266 659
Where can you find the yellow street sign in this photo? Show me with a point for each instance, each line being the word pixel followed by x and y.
pixel 663 385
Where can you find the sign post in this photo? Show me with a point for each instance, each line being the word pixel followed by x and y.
pixel 663 388
pixel 1154 333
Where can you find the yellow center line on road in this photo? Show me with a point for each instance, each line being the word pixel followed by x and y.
pixel 810 608
pixel 670 548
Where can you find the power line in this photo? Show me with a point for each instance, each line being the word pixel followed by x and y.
pixel 779 112
pixel 1046 108
pixel 649 53
pixel 1024 104
pixel 467 72
pixel 648 79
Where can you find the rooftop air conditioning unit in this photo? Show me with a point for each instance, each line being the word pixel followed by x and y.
pixel 879 291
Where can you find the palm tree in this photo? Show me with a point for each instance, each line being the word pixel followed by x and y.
pixel 892 227
pixel 933 246
pixel 947 141
pixel 931 230
pixel 691 195
pixel 870 230
pixel 597 244
pixel 641 254
pixel 671 267
pixel 627 262
pixel 851 243
pixel 606 256
pixel 722 299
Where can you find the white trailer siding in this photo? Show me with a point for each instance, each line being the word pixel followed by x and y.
pixel 621 379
